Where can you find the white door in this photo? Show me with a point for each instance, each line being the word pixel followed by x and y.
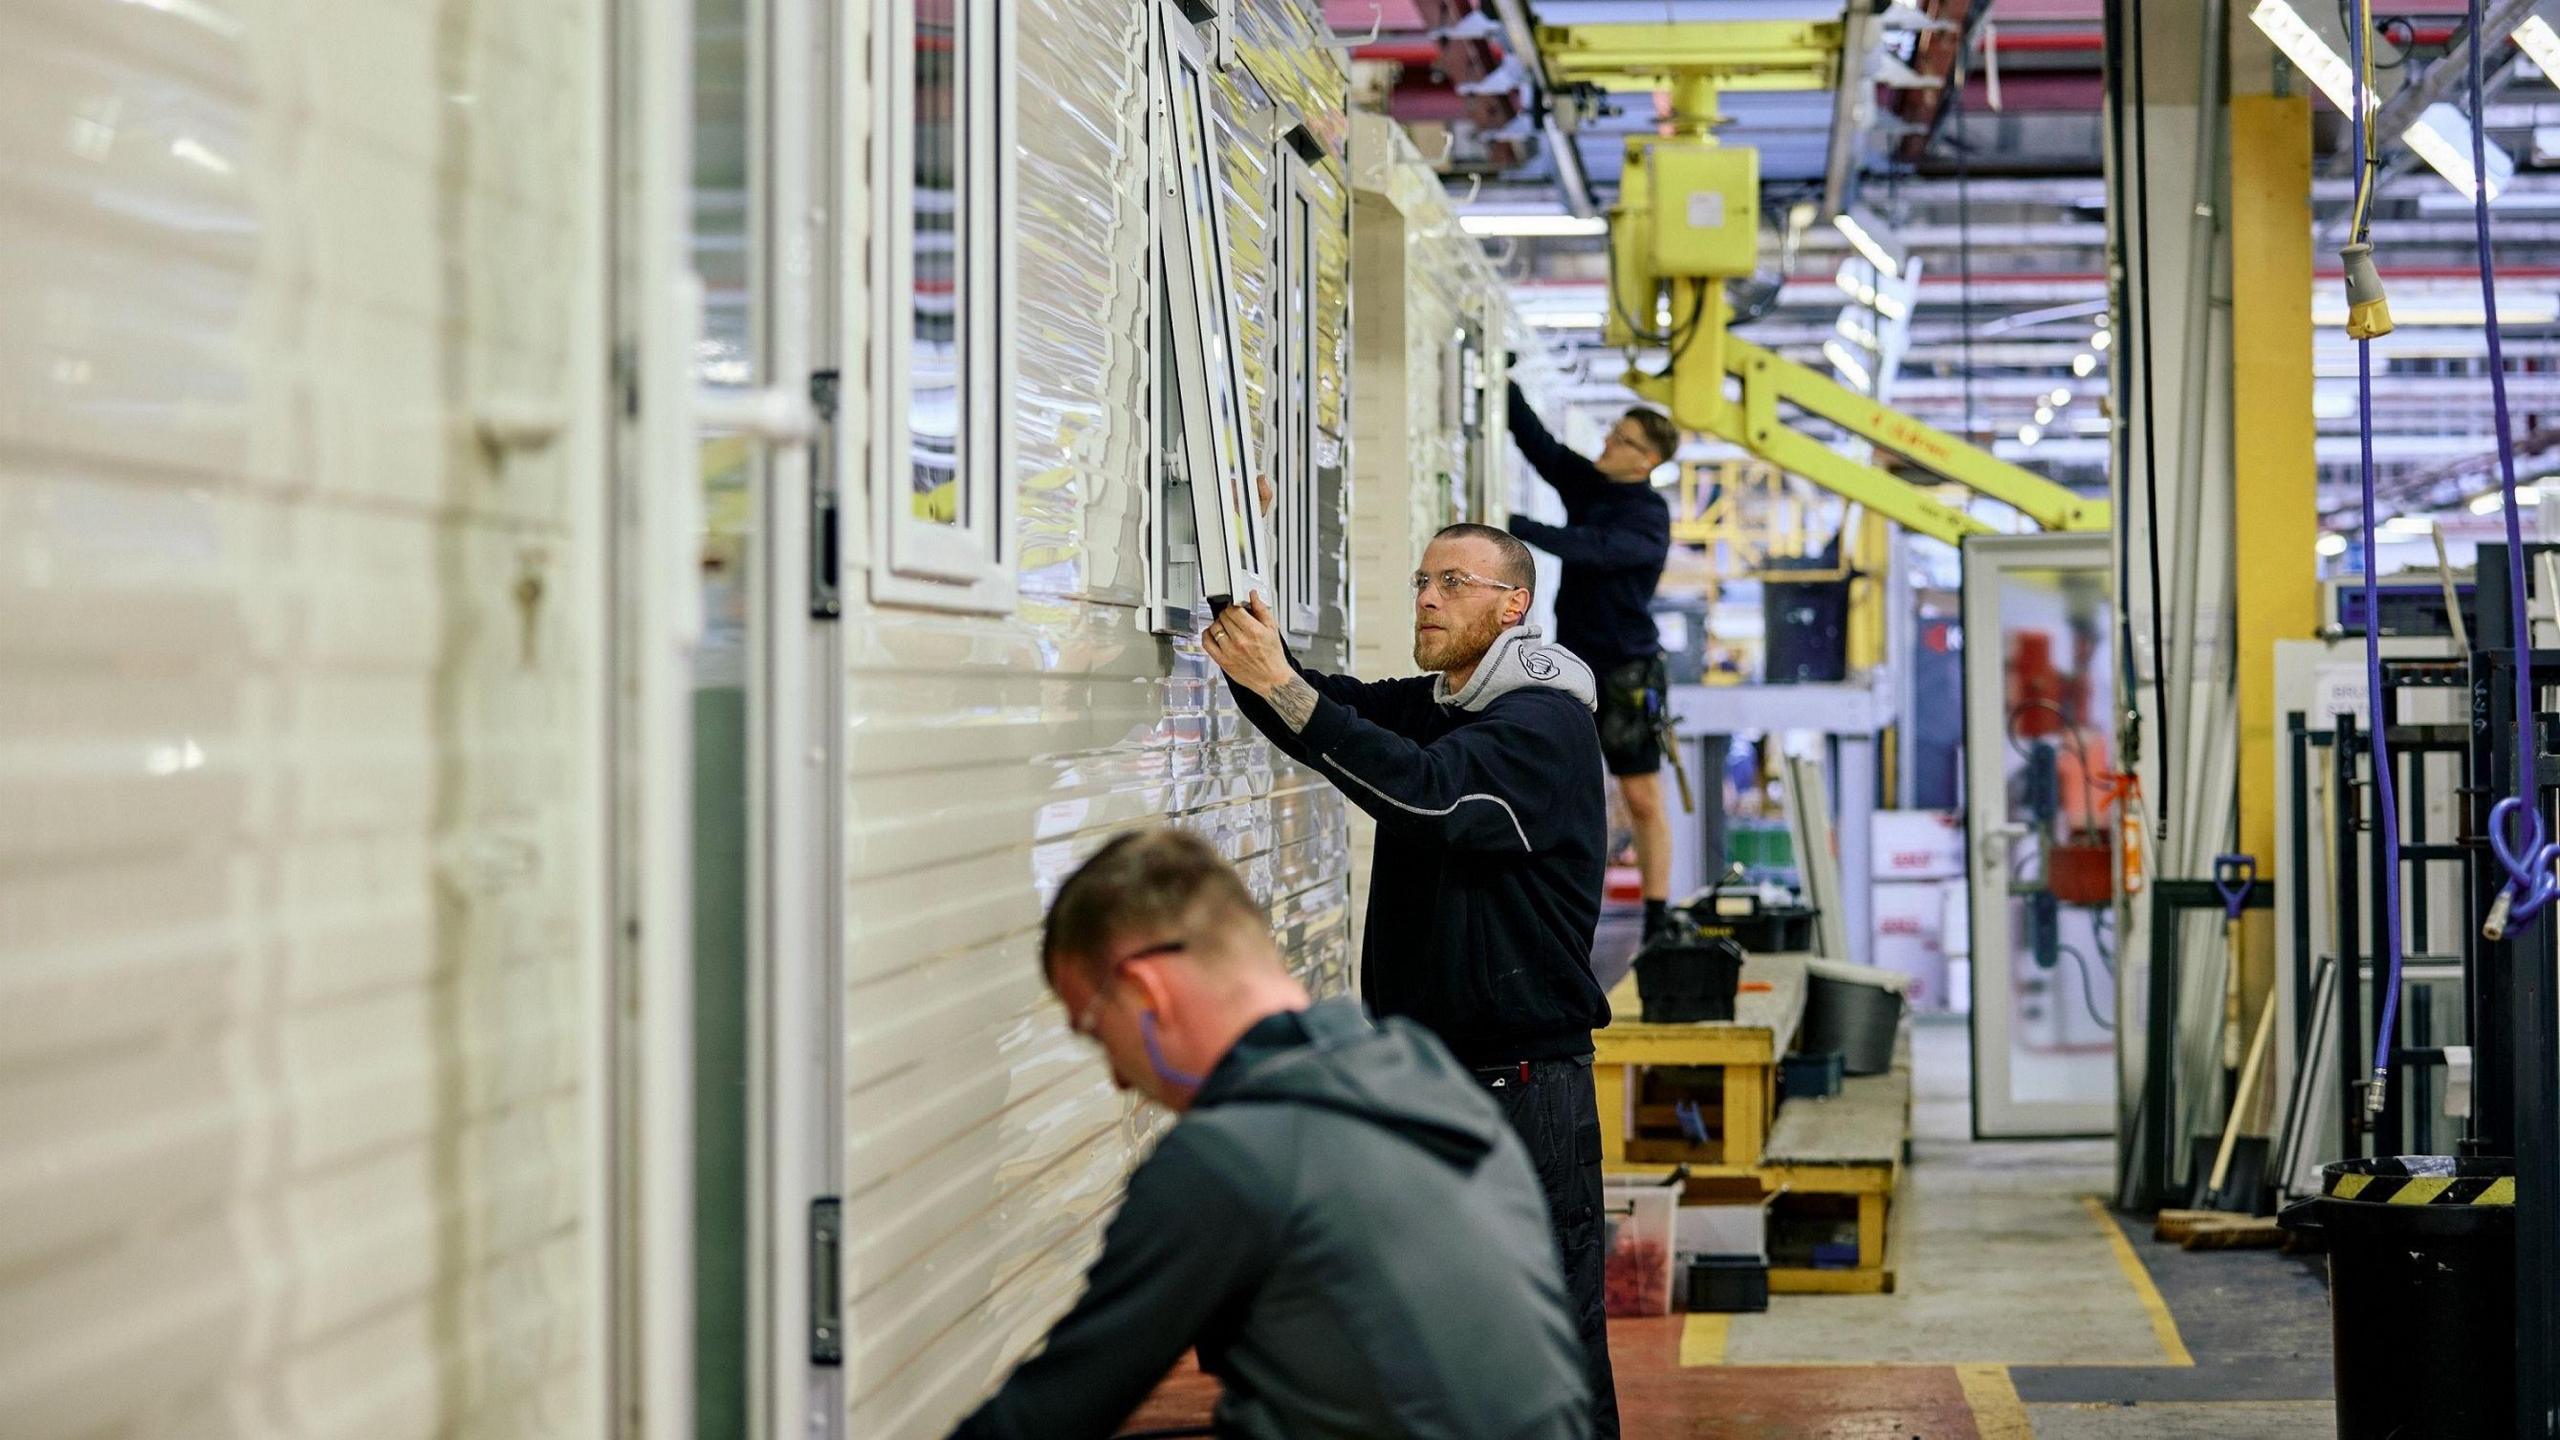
pixel 723 110
pixel 2040 677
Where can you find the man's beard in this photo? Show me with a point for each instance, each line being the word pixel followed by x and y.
pixel 1457 643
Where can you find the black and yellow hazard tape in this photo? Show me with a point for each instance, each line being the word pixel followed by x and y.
pixel 2423 1189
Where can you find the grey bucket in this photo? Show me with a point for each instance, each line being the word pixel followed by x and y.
pixel 1855 1010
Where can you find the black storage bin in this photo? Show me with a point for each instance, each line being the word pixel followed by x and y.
pixel 1728 1284
pixel 1810 1077
pixel 1805 622
pixel 2422 1303
pixel 1681 979
pixel 1774 930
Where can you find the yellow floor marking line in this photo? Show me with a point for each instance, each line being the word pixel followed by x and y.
pixel 1702 1340
pixel 2163 1324
pixel 1998 1413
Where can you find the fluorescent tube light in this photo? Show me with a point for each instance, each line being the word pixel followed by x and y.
pixel 2310 54
pixel 2331 546
pixel 1889 306
pixel 1866 244
pixel 2540 41
pixel 2442 137
pixel 1534 225
pixel 1850 370
pixel 2495 501
pixel 1566 319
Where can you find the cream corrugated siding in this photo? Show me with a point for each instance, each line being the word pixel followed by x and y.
pixel 298 902
pixel 986 756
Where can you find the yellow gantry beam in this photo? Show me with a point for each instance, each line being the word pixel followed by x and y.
pixel 1734 54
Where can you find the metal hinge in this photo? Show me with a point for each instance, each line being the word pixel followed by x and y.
pixel 826 1304
pixel 826 596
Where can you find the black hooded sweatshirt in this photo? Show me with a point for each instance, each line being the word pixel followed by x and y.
pixel 1614 542
pixel 1484 894
pixel 1346 1228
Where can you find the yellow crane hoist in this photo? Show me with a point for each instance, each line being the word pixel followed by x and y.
pixel 1688 220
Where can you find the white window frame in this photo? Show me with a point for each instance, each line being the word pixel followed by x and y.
pixel 968 566
pixel 1218 455
pixel 1294 356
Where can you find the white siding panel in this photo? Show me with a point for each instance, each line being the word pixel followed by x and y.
pixel 986 757
pixel 299 720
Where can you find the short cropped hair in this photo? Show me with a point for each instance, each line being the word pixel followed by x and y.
pixel 1149 880
pixel 1516 567
pixel 1660 435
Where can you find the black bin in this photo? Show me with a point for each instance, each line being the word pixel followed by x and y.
pixel 1680 979
pixel 1769 930
pixel 2422 1312
pixel 1804 623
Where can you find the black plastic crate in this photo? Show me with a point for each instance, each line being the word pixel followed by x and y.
pixel 1681 980
pixel 1728 1284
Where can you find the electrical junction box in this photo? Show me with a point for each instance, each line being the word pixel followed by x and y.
pixel 1706 209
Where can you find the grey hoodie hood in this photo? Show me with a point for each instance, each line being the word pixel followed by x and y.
pixel 1375 1071
pixel 1519 659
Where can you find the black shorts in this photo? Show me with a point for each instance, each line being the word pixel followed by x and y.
pixel 1635 716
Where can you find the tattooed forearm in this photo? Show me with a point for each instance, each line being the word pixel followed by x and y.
pixel 1296 702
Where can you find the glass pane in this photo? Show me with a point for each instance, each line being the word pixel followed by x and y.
pixel 724 196
pixel 1209 266
pixel 935 359
pixel 2058 673
pixel 1302 382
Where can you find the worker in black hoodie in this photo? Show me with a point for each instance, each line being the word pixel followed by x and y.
pixel 1340 1221
pixel 1484 894
pixel 1614 542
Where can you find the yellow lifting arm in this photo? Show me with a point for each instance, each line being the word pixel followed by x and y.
pixel 1767 380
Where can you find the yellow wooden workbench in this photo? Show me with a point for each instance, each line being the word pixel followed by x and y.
pixel 1746 1048
pixel 1849 1146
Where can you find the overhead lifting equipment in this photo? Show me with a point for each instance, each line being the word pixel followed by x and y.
pixel 1688 220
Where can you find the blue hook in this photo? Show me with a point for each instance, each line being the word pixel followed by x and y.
pixel 2234 876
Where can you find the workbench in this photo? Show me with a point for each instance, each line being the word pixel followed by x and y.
pixel 1746 1048
pixel 1848 1146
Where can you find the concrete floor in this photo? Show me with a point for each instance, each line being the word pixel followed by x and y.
pixel 2024 1308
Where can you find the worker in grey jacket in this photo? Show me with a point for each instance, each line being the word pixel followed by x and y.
pixel 1341 1222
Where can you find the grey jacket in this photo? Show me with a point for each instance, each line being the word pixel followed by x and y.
pixel 1347 1230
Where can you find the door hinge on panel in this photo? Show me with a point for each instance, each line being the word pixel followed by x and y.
pixel 826 1308
pixel 826 598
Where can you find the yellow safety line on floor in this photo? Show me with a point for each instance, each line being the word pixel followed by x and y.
pixel 2163 1324
pixel 1702 1340
pixel 1998 1413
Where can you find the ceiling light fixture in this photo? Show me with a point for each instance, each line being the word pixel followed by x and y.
pixel 2536 37
pixel 1568 226
pixel 1850 370
pixel 1865 243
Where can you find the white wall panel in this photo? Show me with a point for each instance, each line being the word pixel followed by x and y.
pixel 987 756
pixel 299 719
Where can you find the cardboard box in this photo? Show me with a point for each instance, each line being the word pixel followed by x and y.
pixel 1910 920
pixel 1739 1229
pixel 1917 844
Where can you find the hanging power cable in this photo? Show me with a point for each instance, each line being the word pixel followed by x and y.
pixel 2516 831
pixel 2369 315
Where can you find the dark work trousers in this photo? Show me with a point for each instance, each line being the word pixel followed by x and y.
pixel 1558 1120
